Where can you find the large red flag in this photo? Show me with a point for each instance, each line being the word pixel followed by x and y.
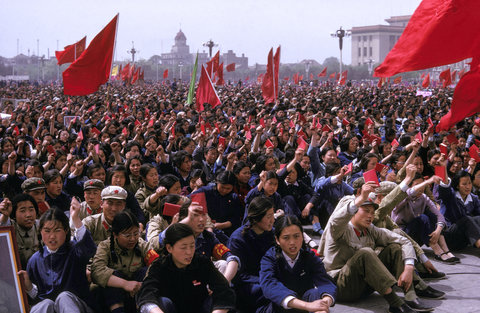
pixel 206 92
pixel 125 72
pixel 333 75
pixel 446 77
pixel 466 100
pixel 219 72
pixel 426 81
pixel 268 84
pixel 439 32
pixel 212 65
pixel 323 73
pixel 276 70
pixel 165 74
pixel 454 75
pixel 230 67
pixel 141 77
pixel 136 76
pixel 343 78
pixel 92 68
pixel 71 52
pixel 397 80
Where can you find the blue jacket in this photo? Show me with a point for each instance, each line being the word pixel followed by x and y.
pixel 279 280
pixel 250 248
pixel 62 202
pixel 331 193
pixel 63 270
pixel 275 198
pixel 345 158
pixel 207 244
pixel 453 208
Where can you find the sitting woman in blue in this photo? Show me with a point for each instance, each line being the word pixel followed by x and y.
pixel 292 277
pixel 54 194
pixel 461 210
pixel 330 189
pixel 367 163
pixel 263 163
pixel 267 187
pixel 56 275
pixel 249 243
pixel 348 147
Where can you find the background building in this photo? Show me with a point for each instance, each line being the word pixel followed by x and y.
pixel 374 42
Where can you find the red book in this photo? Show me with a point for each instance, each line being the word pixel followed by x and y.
pixel 248 135
pixel 262 122
pixel 395 143
pixel 36 142
pixel 150 123
pixel 137 123
pixel 221 141
pixel 368 122
pixel 345 122
pixel 452 139
pixel 349 168
pixel 96 131
pixel 124 131
pixel 172 130
pixel 268 144
pixel 200 199
pixel 97 148
pixel 301 134
pixel 430 122
pixel 80 135
pixel 443 149
pixel 170 209
pixel 202 128
pixel 302 144
pixel 51 150
pixel 379 167
pixel 371 176
pixel 375 138
pixel 441 172
pixel 326 128
pixel 419 137
pixel 473 152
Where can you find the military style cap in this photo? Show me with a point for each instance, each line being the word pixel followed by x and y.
pixel 358 183
pixel 385 188
pixel 114 192
pixel 370 202
pixel 93 184
pixel 33 183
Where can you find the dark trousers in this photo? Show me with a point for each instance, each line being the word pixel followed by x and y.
pixel 167 306
pixel 419 229
pixel 294 207
pixel 309 296
pixel 117 295
pixel 464 232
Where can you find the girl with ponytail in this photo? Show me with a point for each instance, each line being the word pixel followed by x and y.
pixel 121 262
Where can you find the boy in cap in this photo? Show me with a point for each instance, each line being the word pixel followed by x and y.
pixel 113 201
pixel 92 190
pixel 349 245
pixel 36 188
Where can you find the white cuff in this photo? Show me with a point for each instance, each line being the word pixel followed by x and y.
pixel 34 292
pixel 442 184
pixel 423 258
pixel 334 179
pixel 146 308
pixel 403 186
pixel 410 261
pixel 80 232
pixel 286 301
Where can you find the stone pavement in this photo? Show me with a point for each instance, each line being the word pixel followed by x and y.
pixel 462 287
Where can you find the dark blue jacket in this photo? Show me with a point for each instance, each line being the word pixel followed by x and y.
pixel 331 193
pixel 63 270
pixel 453 208
pixel 279 280
pixel 250 248
pixel 275 198
pixel 345 158
pixel 223 208
pixel 62 201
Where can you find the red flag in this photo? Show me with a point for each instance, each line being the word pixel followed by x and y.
pixel 446 77
pixel 270 80
pixel 323 73
pixel 71 52
pixel 300 77
pixel 397 80
pixel 136 76
pixel 247 78
pixel 92 68
pixel 206 92
pixel 165 74
pixel 333 75
pixel 286 78
pixel 125 72
pixel 381 81
pixel 426 81
pixel 231 67
pixel 466 100
pixel 213 64
pixel 439 32
pixel 80 135
pixel 131 72
pixel 343 79
pixel 16 131
pixel 296 79
pixel 311 76
pixel 141 77
pixel 454 76
pixel 219 72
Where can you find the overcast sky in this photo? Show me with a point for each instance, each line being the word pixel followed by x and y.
pixel 301 27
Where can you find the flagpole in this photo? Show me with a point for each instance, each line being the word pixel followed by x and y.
pixel 114 46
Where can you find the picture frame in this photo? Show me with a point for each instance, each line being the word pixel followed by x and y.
pixel 12 290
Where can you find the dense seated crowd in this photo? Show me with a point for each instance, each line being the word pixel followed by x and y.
pixel 130 200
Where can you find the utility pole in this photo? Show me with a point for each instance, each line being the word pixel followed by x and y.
pixel 133 51
pixel 210 44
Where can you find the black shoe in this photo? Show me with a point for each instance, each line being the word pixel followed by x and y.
pixel 430 293
pixel 432 275
pixel 404 308
pixel 419 306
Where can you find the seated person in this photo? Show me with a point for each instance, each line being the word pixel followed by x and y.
pixel 350 259
pixel 92 205
pixel 177 281
pixel 292 276
pixel 36 188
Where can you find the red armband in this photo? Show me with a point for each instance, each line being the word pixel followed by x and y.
pixel 219 250
pixel 150 257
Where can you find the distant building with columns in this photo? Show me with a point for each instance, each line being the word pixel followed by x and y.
pixel 375 41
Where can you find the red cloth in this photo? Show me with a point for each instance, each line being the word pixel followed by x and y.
pixel 220 80
pixel 136 76
pixel 454 75
pixel 446 78
pixel 270 79
pixel 426 81
pixel 125 71
pixel 333 75
pixel 68 55
pixel 165 74
pixel 397 80
pixel 466 100
pixel 92 68
pixel 206 92
pixel 343 78
pixel 231 67
pixel 323 73
pixel 213 64
pixel 439 32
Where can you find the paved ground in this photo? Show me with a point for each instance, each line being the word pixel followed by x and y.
pixel 462 287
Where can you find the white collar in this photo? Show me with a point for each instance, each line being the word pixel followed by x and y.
pixel 467 200
pixel 289 260
pixel 51 251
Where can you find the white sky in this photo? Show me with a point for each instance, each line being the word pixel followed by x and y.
pixel 302 27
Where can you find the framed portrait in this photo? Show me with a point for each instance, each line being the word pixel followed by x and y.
pixel 12 291
pixel 68 119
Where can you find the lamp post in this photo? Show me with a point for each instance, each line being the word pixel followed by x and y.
pixel 133 51
pixel 340 34
pixel 210 44
pixel 370 66
pixel 180 65
pixel 307 68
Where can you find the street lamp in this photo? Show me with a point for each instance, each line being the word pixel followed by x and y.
pixel 210 44
pixel 133 51
pixel 307 68
pixel 370 66
pixel 340 33
pixel 180 65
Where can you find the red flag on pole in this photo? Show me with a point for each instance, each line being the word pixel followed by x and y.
pixel 296 78
pixel 426 81
pixel 268 83
pixel 136 76
pixel 343 78
pixel 165 74
pixel 454 75
pixel 213 64
pixel 397 80
pixel 439 32
pixel 311 76
pixel 446 78
pixel 333 75
pixel 323 73
pixel 206 92
pixel 92 69
pixel 71 52
pixel 230 67
pixel 125 72
pixel 219 72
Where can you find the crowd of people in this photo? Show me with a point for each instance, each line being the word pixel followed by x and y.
pixel 129 200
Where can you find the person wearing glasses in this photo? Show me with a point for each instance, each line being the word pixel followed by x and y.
pixel 121 262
